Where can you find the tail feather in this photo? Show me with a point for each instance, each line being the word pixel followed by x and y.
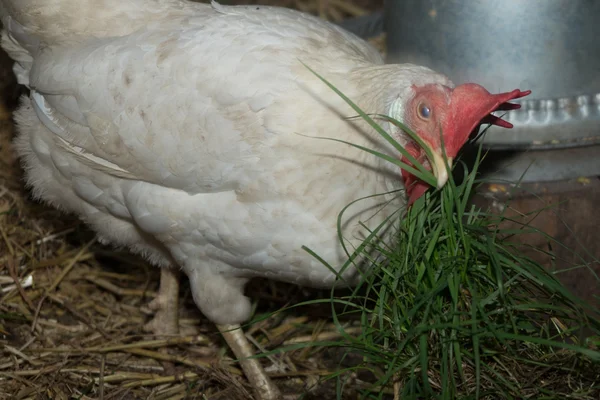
pixel 27 23
pixel 65 21
pixel 19 48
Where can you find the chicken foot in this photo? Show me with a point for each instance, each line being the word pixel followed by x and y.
pixel 165 304
pixel 264 388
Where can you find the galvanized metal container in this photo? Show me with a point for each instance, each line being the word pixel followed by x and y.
pixel 549 46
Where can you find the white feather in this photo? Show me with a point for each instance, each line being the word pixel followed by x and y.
pixel 182 130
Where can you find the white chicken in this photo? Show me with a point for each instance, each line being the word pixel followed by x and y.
pixel 186 132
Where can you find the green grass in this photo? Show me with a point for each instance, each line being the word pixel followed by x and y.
pixel 451 310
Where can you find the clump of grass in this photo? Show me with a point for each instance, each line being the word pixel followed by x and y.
pixel 450 310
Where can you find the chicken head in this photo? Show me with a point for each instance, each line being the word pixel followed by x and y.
pixel 444 118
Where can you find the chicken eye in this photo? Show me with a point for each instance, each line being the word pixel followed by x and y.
pixel 424 111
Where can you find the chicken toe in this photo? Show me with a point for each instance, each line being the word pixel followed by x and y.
pixel 264 388
pixel 165 305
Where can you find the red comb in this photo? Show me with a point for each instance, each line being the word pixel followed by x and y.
pixel 472 105
pixel 506 106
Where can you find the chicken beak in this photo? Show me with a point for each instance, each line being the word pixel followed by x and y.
pixel 438 167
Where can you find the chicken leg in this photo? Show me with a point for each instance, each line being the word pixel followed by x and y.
pixel 264 388
pixel 166 304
